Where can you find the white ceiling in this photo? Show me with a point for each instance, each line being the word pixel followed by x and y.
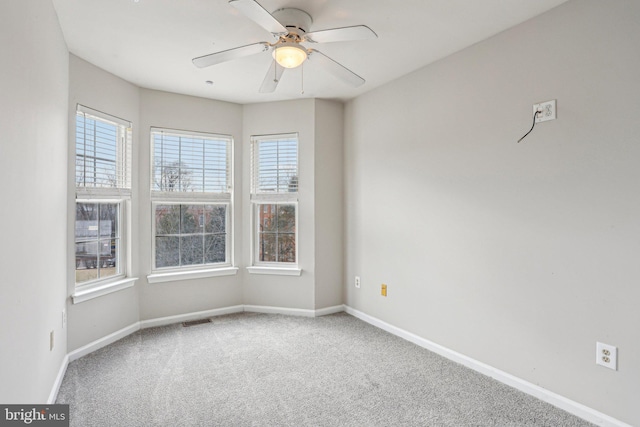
pixel 151 42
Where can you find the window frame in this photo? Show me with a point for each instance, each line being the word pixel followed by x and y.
pixel 119 194
pixel 121 247
pixel 260 198
pixel 158 197
pixel 256 235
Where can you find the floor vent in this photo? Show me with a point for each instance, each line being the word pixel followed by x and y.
pixel 195 322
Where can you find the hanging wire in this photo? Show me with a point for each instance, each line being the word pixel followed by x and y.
pixel 532 126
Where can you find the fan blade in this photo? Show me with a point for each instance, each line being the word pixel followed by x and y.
pixel 230 54
pixel 335 68
pixel 258 14
pixel 272 78
pixel 358 32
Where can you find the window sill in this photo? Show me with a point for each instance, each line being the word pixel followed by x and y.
pixel 101 290
pixel 187 275
pixel 278 271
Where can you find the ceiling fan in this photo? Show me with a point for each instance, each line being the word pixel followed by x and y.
pixel 290 26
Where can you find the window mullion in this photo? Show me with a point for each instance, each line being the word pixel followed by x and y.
pixel 95 154
pixel 203 165
pixel 276 233
pixel 180 187
pixel 180 235
pixel 98 267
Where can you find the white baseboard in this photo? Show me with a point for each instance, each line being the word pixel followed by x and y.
pixel 53 395
pixel 280 310
pixel 330 310
pixel 575 408
pixel 294 311
pixel 103 342
pixel 162 321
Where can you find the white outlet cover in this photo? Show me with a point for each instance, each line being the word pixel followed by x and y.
pixel 547 111
pixel 357 282
pixel 607 356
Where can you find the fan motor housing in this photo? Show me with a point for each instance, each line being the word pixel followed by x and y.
pixel 295 20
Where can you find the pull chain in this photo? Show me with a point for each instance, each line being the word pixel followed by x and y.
pixel 302 78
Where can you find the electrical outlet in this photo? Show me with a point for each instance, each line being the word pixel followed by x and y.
pixel 64 318
pixel 357 282
pixel 607 356
pixel 51 341
pixel 547 111
pixel 383 290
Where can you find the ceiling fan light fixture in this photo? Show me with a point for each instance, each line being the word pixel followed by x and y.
pixel 289 55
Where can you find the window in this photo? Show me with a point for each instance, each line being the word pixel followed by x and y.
pixel 274 195
pixel 277 233
pixel 98 242
pixel 190 234
pixel 191 196
pixel 103 187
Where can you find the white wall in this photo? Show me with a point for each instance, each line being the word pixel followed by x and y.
pixel 167 110
pixel 329 207
pixel 33 168
pixel 95 88
pixel 319 124
pixel 278 118
pixel 521 256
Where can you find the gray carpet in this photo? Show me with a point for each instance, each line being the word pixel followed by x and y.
pixel 252 369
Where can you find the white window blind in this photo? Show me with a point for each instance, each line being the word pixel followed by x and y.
pixel 190 163
pixel 103 152
pixel 275 164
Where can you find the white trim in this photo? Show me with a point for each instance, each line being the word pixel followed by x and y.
pixel 103 116
pixel 278 271
pixel 189 133
pixel 169 320
pixel 102 194
pixel 103 342
pixel 280 310
pixel 53 395
pixel 194 274
pixel 294 311
pixel 105 289
pixel 330 310
pixel 191 198
pixel 575 408
pixel 274 198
